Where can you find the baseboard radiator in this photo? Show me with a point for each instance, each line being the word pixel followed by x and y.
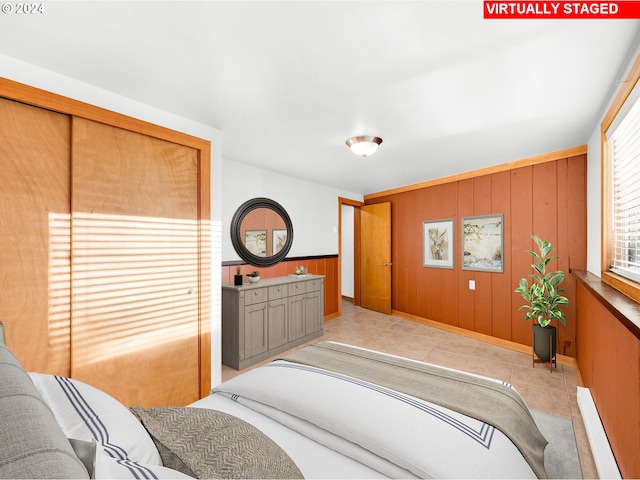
pixel 600 448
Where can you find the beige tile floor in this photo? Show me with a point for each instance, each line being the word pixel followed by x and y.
pixel 553 393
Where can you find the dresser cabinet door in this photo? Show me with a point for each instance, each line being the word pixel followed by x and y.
pixel 255 329
pixel 277 323
pixel 312 317
pixel 296 317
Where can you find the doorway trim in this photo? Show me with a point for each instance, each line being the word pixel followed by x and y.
pixel 356 250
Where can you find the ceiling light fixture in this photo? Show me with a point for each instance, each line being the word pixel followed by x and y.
pixel 364 145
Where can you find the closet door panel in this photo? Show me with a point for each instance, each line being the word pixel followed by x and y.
pixel 135 259
pixel 34 235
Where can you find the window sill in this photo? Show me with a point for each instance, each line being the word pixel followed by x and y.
pixel 622 307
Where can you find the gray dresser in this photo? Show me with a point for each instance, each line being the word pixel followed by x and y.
pixel 263 319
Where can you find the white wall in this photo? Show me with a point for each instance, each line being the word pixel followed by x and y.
pixel 594 177
pixel 34 76
pixel 313 208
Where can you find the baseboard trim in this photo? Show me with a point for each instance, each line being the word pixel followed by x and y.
pixel 518 347
pixel 600 448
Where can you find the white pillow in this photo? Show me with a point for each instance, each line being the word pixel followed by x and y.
pixel 86 413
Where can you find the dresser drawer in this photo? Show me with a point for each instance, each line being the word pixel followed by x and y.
pixel 256 295
pixel 313 285
pixel 278 291
pixel 297 288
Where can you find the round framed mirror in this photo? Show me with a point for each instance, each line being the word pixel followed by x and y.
pixel 261 232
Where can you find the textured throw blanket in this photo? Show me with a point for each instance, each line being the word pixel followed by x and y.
pixel 483 399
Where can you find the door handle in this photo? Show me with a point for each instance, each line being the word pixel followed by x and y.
pixel 386 264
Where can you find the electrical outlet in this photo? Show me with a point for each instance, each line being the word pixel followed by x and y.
pixel 472 284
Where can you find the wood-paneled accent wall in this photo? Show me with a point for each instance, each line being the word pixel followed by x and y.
pixel 546 198
pixel 609 362
pixel 323 265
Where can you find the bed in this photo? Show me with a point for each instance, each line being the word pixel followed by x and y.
pixel 328 410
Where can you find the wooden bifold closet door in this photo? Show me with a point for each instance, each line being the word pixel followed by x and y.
pixel 104 252
pixel 134 265
pixel 34 235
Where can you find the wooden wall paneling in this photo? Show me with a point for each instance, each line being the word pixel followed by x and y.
pixel 439 304
pixel 521 229
pixel 502 284
pixel 545 204
pixel 423 278
pixel 606 391
pixel 317 265
pixel 627 442
pixel 530 199
pixel 324 267
pixel 35 236
pixel 450 277
pixel 135 266
pixel 508 166
pixel 576 244
pixel 482 300
pixel 227 274
pixel 482 195
pixel 337 295
pixel 466 297
pixel 282 269
pixel 564 339
pixel 413 249
pixel 482 296
pixel 577 211
pixel 321 266
pixel 548 219
pixel 585 344
pixel 609 362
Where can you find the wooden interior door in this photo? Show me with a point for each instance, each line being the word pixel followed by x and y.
pixel 375 257
pixel 135 260
pixel 34 235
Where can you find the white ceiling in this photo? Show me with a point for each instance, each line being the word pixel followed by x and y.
pixel 288 82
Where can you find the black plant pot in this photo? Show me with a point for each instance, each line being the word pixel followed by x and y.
pixel 237 280
pixel 544 349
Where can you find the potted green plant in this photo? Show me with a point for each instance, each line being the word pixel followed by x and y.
pixel 544 301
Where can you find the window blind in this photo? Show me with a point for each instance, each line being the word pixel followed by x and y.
pixel 624 154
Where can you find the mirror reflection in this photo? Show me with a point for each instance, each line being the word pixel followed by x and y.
pixel 264 232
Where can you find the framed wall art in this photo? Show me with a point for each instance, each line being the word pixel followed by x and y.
pixel 256 242
pixel 279 238
pixel 483 243
pixel 437 243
